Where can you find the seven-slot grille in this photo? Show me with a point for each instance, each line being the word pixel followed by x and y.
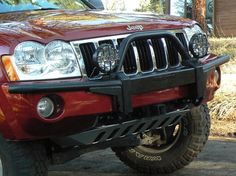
pixel 143 55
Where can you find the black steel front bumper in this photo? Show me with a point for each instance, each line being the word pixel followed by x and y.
pixel 121 87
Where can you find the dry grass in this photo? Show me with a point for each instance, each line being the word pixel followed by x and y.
pixel 221 46
pixel 223 107
pixel 223 128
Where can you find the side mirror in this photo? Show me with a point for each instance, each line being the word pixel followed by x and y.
pixel 97 4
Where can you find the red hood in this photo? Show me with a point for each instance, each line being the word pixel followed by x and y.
pixel 45 26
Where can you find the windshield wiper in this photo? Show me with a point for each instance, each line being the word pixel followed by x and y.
pixel 87 3
pixel 46 8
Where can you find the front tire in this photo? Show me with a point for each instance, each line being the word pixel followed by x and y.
pixel 183 148
pixel 22 158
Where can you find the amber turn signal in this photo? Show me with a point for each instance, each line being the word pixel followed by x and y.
pixel 11 72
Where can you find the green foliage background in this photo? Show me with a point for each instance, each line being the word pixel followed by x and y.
pixel 156 6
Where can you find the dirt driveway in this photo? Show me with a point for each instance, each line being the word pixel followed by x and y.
pixel 217 159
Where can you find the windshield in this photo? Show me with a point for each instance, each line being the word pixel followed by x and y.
pixel 25 5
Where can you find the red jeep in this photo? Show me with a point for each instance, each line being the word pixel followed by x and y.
pixel 75 79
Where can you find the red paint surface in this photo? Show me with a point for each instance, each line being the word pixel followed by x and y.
pixel 159 96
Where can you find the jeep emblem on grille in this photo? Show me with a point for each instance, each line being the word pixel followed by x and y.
pixel 135 27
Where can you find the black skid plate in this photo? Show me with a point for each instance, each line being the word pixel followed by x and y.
pixel 134 127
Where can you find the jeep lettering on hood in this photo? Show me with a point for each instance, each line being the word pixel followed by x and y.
pixel 135 28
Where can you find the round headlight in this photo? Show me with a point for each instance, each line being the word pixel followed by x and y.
pixel 29 58
pixel 106 58
pixel 198 45
pixel 60 56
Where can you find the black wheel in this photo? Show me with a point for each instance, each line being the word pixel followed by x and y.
pixel 167 150
pixel 22 159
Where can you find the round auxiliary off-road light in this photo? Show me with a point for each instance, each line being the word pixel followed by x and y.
pixel 45 107
pixel 198 45
pixel 106 58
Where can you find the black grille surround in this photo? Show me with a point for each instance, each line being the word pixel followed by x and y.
pixel 144 55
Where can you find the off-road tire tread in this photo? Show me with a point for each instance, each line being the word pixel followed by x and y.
pixel 197 141
pixel 29 158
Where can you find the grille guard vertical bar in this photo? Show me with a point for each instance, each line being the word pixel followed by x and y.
pixel 150 34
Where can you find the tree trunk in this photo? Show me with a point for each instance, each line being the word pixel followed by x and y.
pixel 199 12
pixel 167 7
pixel 185 8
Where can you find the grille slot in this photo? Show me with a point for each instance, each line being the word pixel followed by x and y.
pixel 119 41
pixel 130 66
pixel 182 39
pixel 173 55
pixel 143 55
pixel 87 51
pixel 160 55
